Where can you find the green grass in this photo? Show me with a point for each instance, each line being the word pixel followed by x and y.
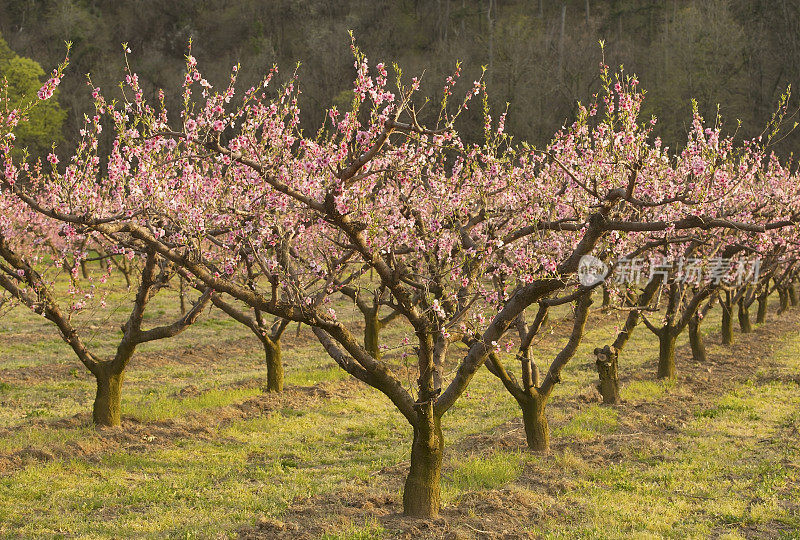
pixel 478 473
pixel 638 391
pixel 369 531
pixel 720 475
pixel 168 407
pixel 590 423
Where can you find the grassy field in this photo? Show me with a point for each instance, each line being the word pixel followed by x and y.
pixel 203 452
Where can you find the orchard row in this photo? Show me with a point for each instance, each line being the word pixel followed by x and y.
pixel 465 247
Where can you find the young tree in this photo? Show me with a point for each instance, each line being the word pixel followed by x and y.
pixel 31 278
pixel 268 333
pixel 535 391
pixel 35 249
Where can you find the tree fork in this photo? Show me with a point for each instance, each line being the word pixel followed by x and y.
pixel 607 374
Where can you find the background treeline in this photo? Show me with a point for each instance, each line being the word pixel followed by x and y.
pixel 542 55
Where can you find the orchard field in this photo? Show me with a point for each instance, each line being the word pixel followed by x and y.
pixel 204 452
pixel 231 310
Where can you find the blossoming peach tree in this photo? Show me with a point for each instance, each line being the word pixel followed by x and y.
pixel 36 249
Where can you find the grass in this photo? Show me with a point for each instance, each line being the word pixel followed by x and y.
pixel 169 407
pixel 193 461
pixel 638 391
pixel 480 473
pixel 720 475
pixel 589 423
pixel 369 531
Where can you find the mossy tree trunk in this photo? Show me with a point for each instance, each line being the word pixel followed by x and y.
pixel 792 294
pixel 107 408
pixel 372 329
pixel 761 312
pixel 667 338
pixel 783 300
pixel 696 339
pixel 422 493
pixel 272 353
pixel 744 317
pixel 606 363
pixel 727 319
pixel 534 420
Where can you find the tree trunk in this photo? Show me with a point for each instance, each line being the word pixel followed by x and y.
pixel 666 354
pixel 127 275
pixel 727 322
pixel 422 492
pixel 761 314
pixel 607 372
pixel 537 431
pixel 792 294
pixel 606 298
pixel 371 335
pixel 744 318
pixel 272 352
pixel 107 410
pixel 783 297
pixel 696 339
pixel 182 294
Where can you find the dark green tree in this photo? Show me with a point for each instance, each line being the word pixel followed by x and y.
pixel 24 77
